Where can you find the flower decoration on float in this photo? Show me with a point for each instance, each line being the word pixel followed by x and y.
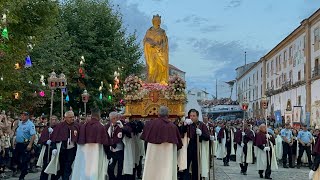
pixel 176 89
pixel 132 87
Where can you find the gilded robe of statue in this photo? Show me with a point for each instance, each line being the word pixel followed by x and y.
pixel 156 54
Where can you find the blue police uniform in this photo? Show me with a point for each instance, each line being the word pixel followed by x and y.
pixel 287 133
pixel 287 149
pixel 24 133
pixel 306 138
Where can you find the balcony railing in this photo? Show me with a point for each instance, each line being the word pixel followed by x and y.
pixel 285 87
pixel 316 72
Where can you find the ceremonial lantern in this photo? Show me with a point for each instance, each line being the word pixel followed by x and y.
pixel 264 102
pixel 85 96
pixel 53 81
pixel 245 105
pixel 62 81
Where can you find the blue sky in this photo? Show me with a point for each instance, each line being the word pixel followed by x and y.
pixel 208 38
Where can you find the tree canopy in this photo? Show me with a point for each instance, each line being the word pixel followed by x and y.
pixel 60 34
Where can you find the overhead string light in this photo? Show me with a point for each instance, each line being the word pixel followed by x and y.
pixel 81 69
pixel 28 62
pixel 5 33
pixel 100 89
pixel 42 80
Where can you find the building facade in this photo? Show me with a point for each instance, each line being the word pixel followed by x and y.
pixel 249 88
pixel 289 75
pixel 176 71
pixel 201 95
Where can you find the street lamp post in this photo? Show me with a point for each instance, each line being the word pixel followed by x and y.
pixel 85 98
pixel 62 85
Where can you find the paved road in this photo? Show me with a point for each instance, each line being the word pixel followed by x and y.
pixel 232 172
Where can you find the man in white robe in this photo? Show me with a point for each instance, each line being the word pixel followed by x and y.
pixel 164 140
pixel 266 160
pixel 90 161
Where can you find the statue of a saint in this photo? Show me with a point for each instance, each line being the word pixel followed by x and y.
pixel 156 53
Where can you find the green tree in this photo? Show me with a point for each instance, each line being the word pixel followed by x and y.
pixel 91 29
pixel 27 21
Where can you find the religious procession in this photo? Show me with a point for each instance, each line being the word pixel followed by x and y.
pixel 87 92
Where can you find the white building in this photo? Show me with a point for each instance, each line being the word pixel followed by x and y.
pixel 201 95
pixel 176 71
pixel 314 46
pixel 249 87
pixel 289 75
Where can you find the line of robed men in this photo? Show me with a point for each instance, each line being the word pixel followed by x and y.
pixel 80 151
pixel 246 144
pixel 91 150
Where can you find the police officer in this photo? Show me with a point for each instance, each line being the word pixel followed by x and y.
pixel 287 142
pixel 305 140
pixel 25 135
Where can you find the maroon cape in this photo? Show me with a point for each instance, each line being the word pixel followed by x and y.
pixel 221 133
pixel 118 133
pixel 44 137
pixel 204 129
pixel 211 128
pixel 238 136
pixel 62 132
pixel 161 130
pixel 316 148
pixel 93 132
pixel 261 139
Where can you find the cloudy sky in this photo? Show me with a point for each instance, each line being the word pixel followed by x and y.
pixel 208 38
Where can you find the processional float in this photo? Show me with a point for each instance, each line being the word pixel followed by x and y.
pixel 143 99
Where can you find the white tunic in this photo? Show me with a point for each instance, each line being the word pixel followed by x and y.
pixel 90 162
pixel 262 159
pixel 160 162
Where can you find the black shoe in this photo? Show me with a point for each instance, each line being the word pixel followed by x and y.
pixel 285 166
pixel 261 175
pixel 298 166
pixel 268 178
pixel 224 164
pixel 228 164
pixel 292 166
pixel 244 173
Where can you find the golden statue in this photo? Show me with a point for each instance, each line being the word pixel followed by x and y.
pixel 156 53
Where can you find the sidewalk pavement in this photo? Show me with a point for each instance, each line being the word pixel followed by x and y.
pixel 232 172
